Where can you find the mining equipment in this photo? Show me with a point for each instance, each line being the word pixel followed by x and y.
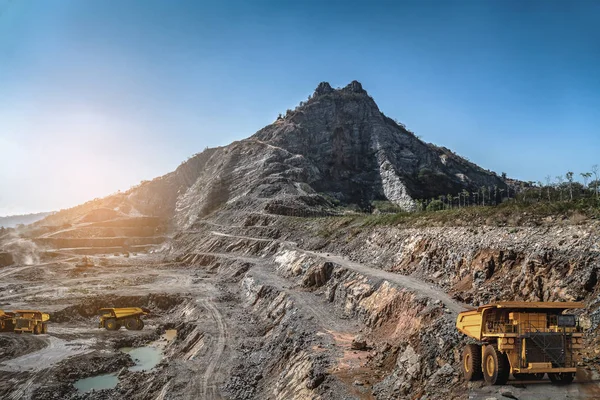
pixel 526 339
pixel 32 321
pixel 7 323
pixel 114 318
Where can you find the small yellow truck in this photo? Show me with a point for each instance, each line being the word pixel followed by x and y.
pixel 526 339
pixel 114 318
pixel 6 321
pixel 32 321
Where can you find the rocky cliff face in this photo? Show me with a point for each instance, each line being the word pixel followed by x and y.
pixel 335 147
pixel 362 155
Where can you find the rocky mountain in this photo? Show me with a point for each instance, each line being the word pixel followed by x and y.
pixel 336 148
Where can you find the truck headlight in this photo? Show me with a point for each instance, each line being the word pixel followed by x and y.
pixel 511 341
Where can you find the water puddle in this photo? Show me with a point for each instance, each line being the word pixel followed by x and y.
pixel 108 381
pixel 145 359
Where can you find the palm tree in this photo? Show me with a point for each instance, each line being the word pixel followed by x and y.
pixel 595 172
pixel 569 176
pixel 465 194
pixel 483 194
pixel 585 176
pixel 559 184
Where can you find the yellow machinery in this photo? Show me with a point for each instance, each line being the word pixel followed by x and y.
pixel 6 321
pixel 527 339
pixel 32 321
pixel 114 318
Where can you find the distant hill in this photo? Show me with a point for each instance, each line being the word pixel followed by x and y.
pixel 13 220
pixel 336 148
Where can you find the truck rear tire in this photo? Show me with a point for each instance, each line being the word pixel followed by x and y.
pixel 131 324
pixel 495 365
pixel 561 377
pixel 111 324
pixel 471 365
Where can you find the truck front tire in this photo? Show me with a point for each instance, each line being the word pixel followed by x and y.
pixel 495 365
pixel 471 364
pixel 111 324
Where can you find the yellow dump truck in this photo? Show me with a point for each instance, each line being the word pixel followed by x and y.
pixel 526 339
pixel 6 321
pixel 32 321
pixel 114 318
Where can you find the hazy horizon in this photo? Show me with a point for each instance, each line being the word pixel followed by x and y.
pixel 98 96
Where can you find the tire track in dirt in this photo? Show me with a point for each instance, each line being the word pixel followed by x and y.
pixel 209 385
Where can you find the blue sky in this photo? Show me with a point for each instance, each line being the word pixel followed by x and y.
pixel 96 96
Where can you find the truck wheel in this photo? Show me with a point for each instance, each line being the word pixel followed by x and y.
pixel 140 325
pixel 2 325
pixel 495 365
pixel 44 328
pixel 111 324
pixel 37 329
pixel 471 364
pixel 561 377
pixel 131 324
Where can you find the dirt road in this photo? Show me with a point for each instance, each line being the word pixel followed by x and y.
pixel 408 282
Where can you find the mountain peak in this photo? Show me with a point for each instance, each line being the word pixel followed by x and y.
pixel 323 88
pixel 355 86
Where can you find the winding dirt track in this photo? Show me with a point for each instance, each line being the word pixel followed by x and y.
pixel 210 389
pixel 408 282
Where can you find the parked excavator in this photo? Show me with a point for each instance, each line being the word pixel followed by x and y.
pixel 525 339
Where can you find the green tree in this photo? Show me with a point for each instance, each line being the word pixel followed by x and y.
pixel 435 205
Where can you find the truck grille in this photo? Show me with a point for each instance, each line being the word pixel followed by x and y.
pixel 549 347
pixel 22 323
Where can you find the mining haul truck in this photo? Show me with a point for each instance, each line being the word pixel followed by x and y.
pixel 114 318
pixel 7 323
pixel 32 321
pixel 526 339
